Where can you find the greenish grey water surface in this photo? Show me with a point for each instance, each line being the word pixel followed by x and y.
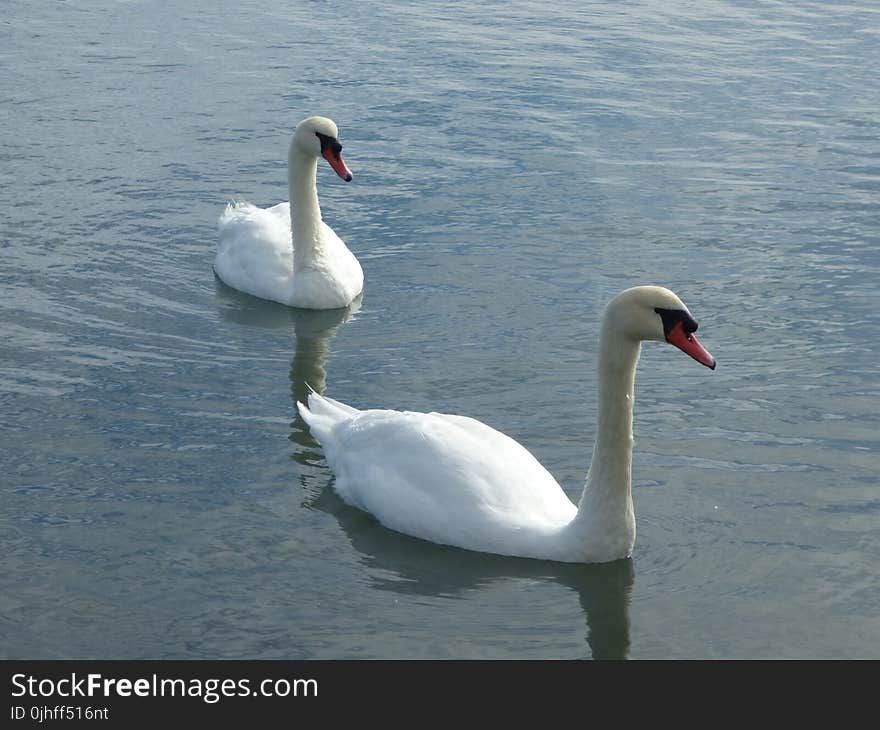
pixel 516 165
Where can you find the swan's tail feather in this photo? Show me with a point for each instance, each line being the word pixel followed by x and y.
pixel 322 414
pixel 234 209
pixel 346 409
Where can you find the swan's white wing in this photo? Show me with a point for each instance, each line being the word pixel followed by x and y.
pixel 448 479
pixel 254 254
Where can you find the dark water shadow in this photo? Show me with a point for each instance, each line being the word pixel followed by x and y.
pixel 406 565
pixel 240 308
pixel 312 331
pixel 308 371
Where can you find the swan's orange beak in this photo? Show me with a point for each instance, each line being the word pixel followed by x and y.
pixel 688 342
pixel 337 163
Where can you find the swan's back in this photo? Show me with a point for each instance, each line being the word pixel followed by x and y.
pixel 449 479
pixel 254 254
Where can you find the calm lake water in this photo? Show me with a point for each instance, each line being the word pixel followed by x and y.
pixel 516 165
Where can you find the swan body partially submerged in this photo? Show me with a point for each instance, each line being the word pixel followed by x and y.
pixel 454 480
pixel 287 253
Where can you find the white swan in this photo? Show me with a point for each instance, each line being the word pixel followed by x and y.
pixel 287 253
pixel 456 481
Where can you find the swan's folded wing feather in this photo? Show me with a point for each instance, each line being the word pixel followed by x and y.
pixel 254 253
pixel 448 479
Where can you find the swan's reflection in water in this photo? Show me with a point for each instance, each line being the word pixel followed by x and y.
pixel 423 568
pixel 313 329
pixel 251 311
pixel 419 567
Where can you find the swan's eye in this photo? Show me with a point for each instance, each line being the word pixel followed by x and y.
pixel 672 317
pixel 329 143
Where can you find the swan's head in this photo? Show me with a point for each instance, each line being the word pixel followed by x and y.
pixel 319 137
pixel 655 313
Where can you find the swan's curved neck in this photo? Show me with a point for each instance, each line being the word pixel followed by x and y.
pixel 305 213
pixel 607 496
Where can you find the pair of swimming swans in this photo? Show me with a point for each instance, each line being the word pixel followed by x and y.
pixel 450 479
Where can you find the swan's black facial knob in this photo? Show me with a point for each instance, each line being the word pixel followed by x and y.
pixel 671 317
